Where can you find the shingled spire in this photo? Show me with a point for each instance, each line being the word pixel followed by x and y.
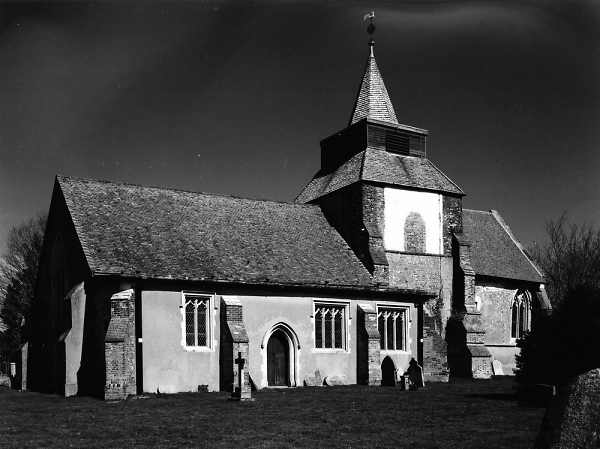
pixel 373 101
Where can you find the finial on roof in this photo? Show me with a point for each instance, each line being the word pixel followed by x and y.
pixel 370 29
pixel 373 101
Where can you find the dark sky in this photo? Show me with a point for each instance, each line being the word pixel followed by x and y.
pixel 234 97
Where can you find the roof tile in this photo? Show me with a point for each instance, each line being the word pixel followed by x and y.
pixel 494 251
pixel 172 234
pixel 381 166
pixel 373 101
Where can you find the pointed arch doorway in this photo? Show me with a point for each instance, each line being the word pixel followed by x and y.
pixel 388 373
pixel 278 360
pixel 280 351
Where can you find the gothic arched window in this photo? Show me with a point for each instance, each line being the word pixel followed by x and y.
pixel 520 308
pixel 414 233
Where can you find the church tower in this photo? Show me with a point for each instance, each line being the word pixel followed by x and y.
pixel 396 210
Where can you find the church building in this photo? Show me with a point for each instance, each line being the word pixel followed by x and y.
pixel 376 263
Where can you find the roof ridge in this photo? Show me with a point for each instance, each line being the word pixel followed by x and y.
pixel 477 210
pixel 169 189
pixel 518 244
pixel 87 254
pixel 445 176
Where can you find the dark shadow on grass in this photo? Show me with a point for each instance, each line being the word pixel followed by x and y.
pixel 495 396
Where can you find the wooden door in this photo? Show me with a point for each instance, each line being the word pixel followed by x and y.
pixel 278 360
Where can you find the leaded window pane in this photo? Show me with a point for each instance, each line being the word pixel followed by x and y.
pixel 390 323
pixel 319 329
pixel 338 328
pixel 190 315
pixel 390 332
pixel 513 332
pixel 522 320
pixel 328 326
pixel 201 311
pixel 399 333
pixel 381 329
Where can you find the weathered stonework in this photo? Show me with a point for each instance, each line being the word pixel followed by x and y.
pixel 119 347
pixel 235 356
pixel 467 355
pixel 368 347
pixel 435 354
pixel 414 233
pixel 452 212
pixel 434 274
pixel 373 205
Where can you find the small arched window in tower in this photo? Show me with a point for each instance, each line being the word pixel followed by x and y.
pixel 59 281
pixel 520 314
pixel 414 233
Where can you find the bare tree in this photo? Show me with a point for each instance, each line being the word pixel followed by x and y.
pixel 18 271
pixel 566 343
pixel 570 260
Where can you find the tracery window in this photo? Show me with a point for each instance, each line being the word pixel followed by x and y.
pixel 392 328
pixel 520 312
pixel 197 323
pixel 330 326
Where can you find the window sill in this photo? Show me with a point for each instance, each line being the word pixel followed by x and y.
pixel 328 350
pixel 198 349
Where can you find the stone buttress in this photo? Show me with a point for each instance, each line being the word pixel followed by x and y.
pixel 119 347
pixel 467 354
pixel 234 354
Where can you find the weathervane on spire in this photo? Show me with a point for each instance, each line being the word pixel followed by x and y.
pixel 370 29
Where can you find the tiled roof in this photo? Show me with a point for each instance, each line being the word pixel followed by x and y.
pixel 380 166
pixel 171 234
pixel 494 250
pixel 373 100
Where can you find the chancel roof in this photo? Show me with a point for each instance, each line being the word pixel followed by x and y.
pixel 494 249
pixel 373 101
pixel 382 167
pixel 160 233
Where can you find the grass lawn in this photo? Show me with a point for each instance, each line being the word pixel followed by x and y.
pixel 463 413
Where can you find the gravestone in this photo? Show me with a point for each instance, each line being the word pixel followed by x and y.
pixel 497 368
pixel 242 391
pixel 415 374
pixel 573 419
pixel 314 380
pixel 335 379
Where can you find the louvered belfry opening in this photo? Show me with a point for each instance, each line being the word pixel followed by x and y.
pixel 372 134
pixel 396 140
pixel 373 125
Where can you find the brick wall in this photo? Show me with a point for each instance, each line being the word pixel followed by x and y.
pixel 119 347
pixel 435 353
pixel 368 347
pixel 234 347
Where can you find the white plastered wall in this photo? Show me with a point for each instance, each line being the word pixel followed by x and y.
pixel 399 204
